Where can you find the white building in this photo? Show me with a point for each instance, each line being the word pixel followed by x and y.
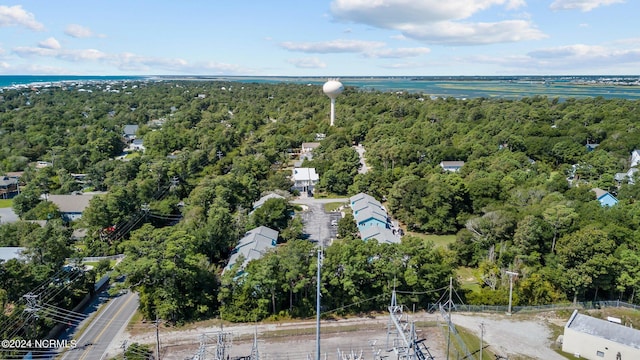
pixel 595 339
pixel 305 179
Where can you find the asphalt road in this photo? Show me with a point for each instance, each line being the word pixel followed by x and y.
pixel 99 333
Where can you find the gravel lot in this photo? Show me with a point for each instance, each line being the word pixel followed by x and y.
pixel 524 337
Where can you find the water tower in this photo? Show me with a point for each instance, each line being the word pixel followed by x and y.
pixel 332 89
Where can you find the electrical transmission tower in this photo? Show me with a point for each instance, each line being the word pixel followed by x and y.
pixel 405 344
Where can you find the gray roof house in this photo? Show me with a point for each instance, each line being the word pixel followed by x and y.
pixel 71 206
pixel 264 199
pixel 11 252
pixel 453 166
pixel 361 201
pixel 252 246
pixel 381 234
pixel 592 338
pixel 129 132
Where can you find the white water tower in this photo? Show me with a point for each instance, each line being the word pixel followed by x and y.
pixel 332 89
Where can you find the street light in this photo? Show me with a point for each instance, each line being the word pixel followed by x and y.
pixel 511 275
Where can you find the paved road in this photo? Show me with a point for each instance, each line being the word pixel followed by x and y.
pixel 95 340
pixel 363 166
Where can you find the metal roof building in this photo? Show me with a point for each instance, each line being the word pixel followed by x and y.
pixel 591 338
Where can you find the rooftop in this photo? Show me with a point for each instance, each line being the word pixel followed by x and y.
pixel 604 329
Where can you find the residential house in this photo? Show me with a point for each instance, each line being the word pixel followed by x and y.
pixel 453 166
pixel 305 179
pixel 635 158
pixel 306 150
pixel 129 132
pixel 71 206
pixel 252 246
pixel 258 203
pixel 626 177
pixel 592 338
pixel 604 197
pixel 371 216
pixel 11 252
pixel 9 187
pixel 137 145
pixel 361 201
pixel 381 234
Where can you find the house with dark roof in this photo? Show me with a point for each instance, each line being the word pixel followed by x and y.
pixel 252 246
pixel 9 187
pixel 592 338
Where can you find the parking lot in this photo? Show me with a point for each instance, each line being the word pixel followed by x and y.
pixel 318 224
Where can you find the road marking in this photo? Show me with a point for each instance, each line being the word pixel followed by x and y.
pixel 106 326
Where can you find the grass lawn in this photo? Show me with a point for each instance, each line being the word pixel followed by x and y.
pixel 468 278
pixel 473 344
pixel 328 207
pixel 6 203
pixel 438 240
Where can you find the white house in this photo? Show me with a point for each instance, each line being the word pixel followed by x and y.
pixel 595 339
pixel 635 158
pixel 305 179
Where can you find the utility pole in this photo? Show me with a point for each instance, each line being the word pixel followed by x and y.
pixel 318 295
pixel 481 338
pixel 449 322
pixel 511 275
pixel 157 325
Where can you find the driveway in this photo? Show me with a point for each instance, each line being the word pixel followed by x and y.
pixel 7 216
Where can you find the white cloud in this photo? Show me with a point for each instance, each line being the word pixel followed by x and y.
pixel 584 5
pixel 308 63
pixel 334 46
pixel 437 21
pixel 73 55
pixel 79 31
pixel 127 61
pixel 398 53
pixel 50 43
pixel 569 59
pixel 17 16
pixel 457 33
pixel 371 49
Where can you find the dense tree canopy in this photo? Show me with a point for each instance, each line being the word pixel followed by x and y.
pixel 522 201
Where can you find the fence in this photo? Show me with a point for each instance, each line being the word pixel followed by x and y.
pixel 514 309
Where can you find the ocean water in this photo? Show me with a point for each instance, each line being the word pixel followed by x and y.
pixel 512 87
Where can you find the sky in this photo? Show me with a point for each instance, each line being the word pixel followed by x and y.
pixel 331 38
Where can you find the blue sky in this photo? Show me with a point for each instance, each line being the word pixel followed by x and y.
pixel 320 37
